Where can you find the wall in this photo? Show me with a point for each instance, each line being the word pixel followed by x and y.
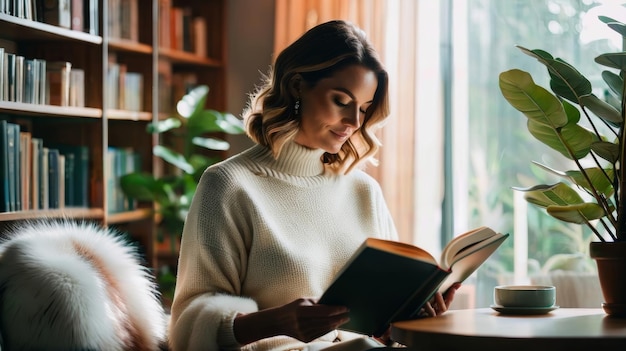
pixel 250 27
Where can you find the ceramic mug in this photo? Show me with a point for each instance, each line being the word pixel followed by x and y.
pixel 529 296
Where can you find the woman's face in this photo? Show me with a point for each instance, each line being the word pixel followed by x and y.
pixel 335 107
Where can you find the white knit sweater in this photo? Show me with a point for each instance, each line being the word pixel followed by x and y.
pixel 263 232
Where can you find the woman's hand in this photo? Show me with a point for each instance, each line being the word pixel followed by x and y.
pixel 305 320
pixel 439 303
pixel 302 319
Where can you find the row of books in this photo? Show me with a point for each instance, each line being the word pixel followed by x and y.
pixel 40 176
pixel 80 15
pixel 123 20
pixel 120 161
pixel 124 88
pixel 37 81
pixel 181 29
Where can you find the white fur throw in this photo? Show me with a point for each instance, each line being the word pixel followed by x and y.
pixel 75 286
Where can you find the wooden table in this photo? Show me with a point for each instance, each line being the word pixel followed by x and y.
pixel 485 329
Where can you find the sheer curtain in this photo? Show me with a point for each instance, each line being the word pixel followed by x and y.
pixel 411 159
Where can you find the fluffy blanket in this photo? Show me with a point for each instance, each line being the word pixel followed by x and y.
pixel 75 286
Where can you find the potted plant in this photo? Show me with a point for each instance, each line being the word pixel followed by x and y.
pixel 589 131
pixel 193 143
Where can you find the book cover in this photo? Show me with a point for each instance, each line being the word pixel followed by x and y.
pixel 19 78
pixel 387 281
pixel 36 146
pixel 70 182
pixel 5 205
pixel 77 14
pixel 9 74
pixel 25 169
pixel 44 185
pixel 90 17
pixel 58 83
pixel 2 76
pixel 53 178
pixel 58 13
pixel 13 131
pixel 77 169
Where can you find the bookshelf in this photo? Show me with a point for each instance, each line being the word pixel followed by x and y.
pixel 131 61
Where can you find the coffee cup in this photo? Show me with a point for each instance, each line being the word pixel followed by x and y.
pixel 524 296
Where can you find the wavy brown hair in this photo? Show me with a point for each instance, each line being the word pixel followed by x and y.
pixel 318 54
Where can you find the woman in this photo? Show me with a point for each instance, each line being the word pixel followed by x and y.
pixel 269 228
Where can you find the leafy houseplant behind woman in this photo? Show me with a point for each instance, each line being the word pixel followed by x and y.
pixel 186 132
pixel 593 194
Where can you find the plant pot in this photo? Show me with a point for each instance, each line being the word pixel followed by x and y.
pixel 610 259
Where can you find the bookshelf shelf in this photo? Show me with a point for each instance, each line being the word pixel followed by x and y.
pixel 129 115
pixel 77 213
pixel 49 110
pixel 187 58
pixel 130 216
pixel 129 46
pixel 14 28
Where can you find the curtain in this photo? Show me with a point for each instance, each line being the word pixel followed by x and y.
pixel 392 26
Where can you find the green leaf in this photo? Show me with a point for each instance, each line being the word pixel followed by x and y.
pixel 607 150
pixel 614 81
pixel 602 109
pixel 614 60
pixel 173 158
pixel 538 104
pixel 230 124
pixel 140 186
pixel 578 214
pixel 211 143
pixel 618 27
pixel 598 177
pixel 164 125
pixel 202 122
pixel 565 81
pixel 192 102
pixel 559 194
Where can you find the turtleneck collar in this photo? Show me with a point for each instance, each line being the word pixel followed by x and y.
pixel 294 159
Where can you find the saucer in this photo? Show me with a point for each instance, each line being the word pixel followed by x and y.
pixel 524 310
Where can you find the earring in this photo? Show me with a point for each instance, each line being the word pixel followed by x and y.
pixel 296 107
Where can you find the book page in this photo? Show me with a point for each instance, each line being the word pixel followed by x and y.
pixel 470 259
pixel 401 248
pixel 463 242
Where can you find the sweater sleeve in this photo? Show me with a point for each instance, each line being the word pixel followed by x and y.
pixel 211 264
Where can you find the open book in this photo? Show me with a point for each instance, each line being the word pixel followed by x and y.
pixel 387 281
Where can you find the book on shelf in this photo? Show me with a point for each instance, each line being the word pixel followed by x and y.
pixel 44 179
pixel 77 87
pixel 58 83
pixel 387 281
pixel 35 179
pixel 19 78
pixel 90 17
pixel 53 178
pixel 58 13
pixel 25 169
pixel 13 135
pixel 77 14
pixel 5 201
pixel 2 74
pixel 77 174
pixel 9 75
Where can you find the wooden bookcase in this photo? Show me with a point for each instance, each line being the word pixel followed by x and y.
pixel 103 124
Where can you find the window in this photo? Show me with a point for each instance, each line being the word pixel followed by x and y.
pixel 491 150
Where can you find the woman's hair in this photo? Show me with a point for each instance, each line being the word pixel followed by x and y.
pixel 319 53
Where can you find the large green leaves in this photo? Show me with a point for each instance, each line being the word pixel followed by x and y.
pixel 549 120
pixel 567 82
pixel 563 202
